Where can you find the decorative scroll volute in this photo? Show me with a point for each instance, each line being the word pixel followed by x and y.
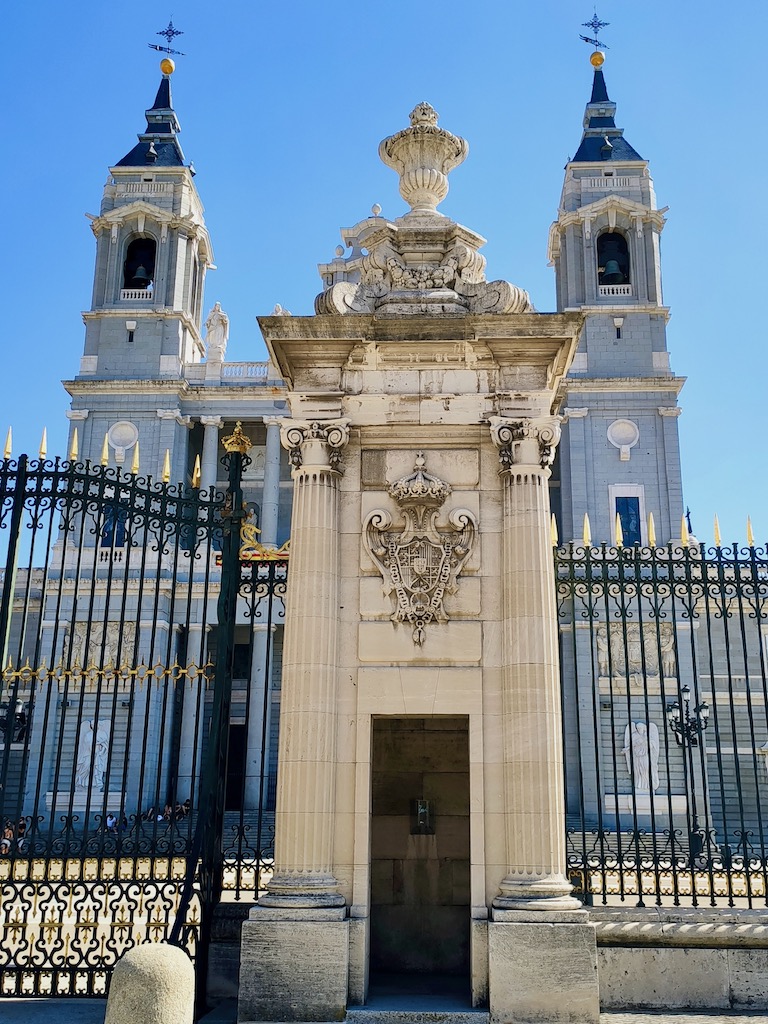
pixel 525 442
pixel 315 443
pixel 422 562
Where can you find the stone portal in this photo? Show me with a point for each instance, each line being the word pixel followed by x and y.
pixel 424 425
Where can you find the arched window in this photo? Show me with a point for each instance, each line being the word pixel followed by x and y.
pixel 139 266
pixel 612 258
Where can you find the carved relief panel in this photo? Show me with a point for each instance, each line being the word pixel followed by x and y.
pixel 421 561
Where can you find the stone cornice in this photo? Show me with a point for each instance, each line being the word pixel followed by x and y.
pixel 622 384
pixel 90 386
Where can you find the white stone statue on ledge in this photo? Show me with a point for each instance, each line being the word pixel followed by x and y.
pixel 217 333
pixel 641 751
pixel 83 778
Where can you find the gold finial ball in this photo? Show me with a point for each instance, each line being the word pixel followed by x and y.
pixel 597 59
pixel 167 66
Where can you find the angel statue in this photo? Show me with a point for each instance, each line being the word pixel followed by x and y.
pixel 85 752
pixel 641 750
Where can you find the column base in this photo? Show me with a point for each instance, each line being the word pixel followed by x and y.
pixel 306 892
pixel 550 893
pixel 294 965
pixel 542 971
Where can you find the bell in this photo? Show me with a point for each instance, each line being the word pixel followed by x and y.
pixel 612 273
pixel 140 279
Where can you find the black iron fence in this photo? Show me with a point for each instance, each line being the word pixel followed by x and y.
pixel 122 669
pixel 665 700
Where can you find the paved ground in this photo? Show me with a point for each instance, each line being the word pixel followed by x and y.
pixel 91 1011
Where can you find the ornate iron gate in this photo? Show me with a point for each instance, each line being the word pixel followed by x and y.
pixel 119 604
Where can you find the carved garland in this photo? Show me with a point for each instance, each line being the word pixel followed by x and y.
pixel 422 562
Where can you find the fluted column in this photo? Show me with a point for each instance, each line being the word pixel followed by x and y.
pixel 533 755
pixel 209 462
pixel 306 763
pixel 259 705
pixel 270 502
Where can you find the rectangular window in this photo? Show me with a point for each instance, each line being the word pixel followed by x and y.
pixel 629 514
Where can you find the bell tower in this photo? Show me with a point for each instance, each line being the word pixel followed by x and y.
pixel 620 451
pixel 144 325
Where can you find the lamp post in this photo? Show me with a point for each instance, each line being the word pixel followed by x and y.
pixel 688 726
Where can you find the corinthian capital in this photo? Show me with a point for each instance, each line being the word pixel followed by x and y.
pixel 314 442
pixel 525 442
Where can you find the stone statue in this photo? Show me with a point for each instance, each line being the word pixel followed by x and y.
pixel 641 750
pixel 85 751
pixel 217 333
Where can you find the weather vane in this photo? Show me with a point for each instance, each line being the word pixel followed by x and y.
pixel 169 34
pixel 595 24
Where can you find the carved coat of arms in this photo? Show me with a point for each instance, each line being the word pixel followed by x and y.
pixel 422 562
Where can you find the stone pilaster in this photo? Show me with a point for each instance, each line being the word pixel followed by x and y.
pixel 209 461
pixel 533 757
pixel 305 792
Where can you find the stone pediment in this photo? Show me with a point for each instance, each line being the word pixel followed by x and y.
pixel 422 263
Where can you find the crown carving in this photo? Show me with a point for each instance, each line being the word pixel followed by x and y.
pixel 419 488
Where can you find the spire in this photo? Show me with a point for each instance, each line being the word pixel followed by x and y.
pixel 602 140
pixel 159 145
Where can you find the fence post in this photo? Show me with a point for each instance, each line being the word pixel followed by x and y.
pixel 6 603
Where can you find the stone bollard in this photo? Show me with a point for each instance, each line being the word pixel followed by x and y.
pixel 152 984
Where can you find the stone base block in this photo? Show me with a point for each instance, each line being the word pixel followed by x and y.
pixel 542 973
pixel 293 970
pixel 671 977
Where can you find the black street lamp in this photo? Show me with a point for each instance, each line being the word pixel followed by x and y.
pixel 687 725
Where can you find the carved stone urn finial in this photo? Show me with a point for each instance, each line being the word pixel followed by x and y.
pixel 423 155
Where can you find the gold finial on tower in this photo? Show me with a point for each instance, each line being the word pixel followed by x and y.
pixel 167 66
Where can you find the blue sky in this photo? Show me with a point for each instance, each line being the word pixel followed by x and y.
pixel 282 108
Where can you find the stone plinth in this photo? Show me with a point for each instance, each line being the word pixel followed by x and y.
pixel 294 965
pixel 542 971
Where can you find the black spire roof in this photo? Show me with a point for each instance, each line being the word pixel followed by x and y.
pixel 602 140
pixel 159 145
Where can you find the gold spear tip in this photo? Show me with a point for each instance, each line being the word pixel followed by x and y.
pixel 717 533
pixel 8 444
pixel 619 532
pixel 135 463
pixel 74 449
pixel 167 466
pixel 684 538
pixel 586 537
pixel 553 531
pixel 750 535
pixel 44 444
pixel 196 472
pixel 651 531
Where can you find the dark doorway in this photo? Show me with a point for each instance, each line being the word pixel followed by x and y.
pixel 235 768
pixel 420 905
